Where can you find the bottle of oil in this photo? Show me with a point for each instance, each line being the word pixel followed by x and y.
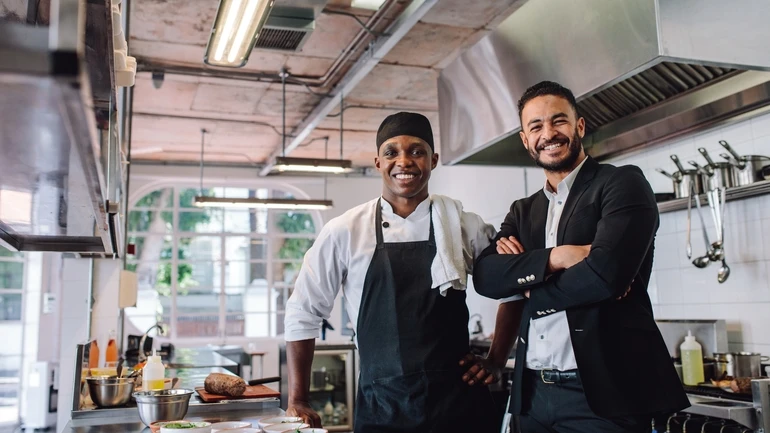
pixel 111 354
pixel 692 361
pixel 93 355
pixel 153 373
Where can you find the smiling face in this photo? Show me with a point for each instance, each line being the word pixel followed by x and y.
pixel 552 133
pixel 405 163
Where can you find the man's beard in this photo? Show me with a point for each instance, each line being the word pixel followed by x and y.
pixel 574 146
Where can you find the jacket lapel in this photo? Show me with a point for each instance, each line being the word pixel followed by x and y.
pixel 582 182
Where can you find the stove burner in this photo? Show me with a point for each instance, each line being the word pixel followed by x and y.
pixel 708 391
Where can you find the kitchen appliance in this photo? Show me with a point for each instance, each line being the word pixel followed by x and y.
pixel 42 396
pixel 748 168
pixel 660 73
pixel 749 410
pixel 333 384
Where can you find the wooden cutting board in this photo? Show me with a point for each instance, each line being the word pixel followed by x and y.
pixel 256 391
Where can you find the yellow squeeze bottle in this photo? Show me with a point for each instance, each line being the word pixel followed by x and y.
pixel 153 373
pixel 692 361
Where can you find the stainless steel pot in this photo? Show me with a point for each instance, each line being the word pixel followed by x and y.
pixel 748 364
pixel 724 365
pixel 717 174
pixel 747 168
pixel 684 180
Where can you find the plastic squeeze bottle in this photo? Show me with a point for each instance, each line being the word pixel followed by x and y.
pixel 692 361
pixel 153 373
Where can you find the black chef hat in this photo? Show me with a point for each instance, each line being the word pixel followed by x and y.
pixel 403 123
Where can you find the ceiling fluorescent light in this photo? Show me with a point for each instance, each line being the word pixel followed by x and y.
pixel 235 31
pixel 367 4
pixel 256 203
pixel 313 165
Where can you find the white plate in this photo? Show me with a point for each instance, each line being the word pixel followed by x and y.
pixel 284 427
pixel 229 425
pixel 200 427
pixel 313 430
pixel 264 422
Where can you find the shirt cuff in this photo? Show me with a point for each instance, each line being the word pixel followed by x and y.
pixel 511 299
pixel 299 335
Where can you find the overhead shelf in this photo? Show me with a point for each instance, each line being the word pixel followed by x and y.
pixel 52 184
pixel 735 193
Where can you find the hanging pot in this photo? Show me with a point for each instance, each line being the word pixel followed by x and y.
pixel 747 169
pixel 717 174
pixel 684 180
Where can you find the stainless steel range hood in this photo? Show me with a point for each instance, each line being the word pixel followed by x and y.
pixel 643 71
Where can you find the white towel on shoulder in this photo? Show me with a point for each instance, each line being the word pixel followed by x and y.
pixel 449 266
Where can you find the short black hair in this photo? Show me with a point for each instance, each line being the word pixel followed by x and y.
pixel 547 88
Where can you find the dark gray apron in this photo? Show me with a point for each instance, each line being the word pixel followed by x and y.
pixel 410 341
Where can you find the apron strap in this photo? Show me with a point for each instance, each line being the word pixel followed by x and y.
pixel 378 225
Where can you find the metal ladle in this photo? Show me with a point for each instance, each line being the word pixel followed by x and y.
pixel 716 252
pixel 689 224
pixel 724 270
pixel 703 261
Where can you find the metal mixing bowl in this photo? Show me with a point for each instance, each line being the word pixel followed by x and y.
pixel 108 391
pixel 162 405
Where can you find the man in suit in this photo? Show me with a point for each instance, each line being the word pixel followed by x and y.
pixel 590 357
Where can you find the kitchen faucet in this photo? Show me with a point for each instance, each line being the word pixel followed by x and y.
pixel 142 355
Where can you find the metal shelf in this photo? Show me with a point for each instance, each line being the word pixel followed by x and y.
pixel 736 193
pixel 52 185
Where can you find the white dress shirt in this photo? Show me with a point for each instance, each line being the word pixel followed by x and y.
pixel 341 255
pixel 550 343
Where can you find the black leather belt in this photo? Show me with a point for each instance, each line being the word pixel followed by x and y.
pixel 554 376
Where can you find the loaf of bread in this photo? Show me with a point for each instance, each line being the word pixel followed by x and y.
pixel 741 385
pixel 224 384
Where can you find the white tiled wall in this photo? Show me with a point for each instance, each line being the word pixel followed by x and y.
pixel 678 289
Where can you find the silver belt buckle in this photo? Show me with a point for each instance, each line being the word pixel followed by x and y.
pixel 542 377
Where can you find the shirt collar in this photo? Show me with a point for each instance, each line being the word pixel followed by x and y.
pixel 566 184
pixel 420 211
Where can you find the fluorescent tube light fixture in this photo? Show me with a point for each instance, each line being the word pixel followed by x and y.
pixel 312 165
pixel 257 203
pixel 235 31
pixel 367 4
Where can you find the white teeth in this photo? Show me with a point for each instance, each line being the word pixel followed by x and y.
pixel 405 176
pixel 552 146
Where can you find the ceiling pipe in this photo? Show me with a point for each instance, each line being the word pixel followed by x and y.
pixel 365 64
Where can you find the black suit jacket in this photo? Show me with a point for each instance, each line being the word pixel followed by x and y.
pixel 622 358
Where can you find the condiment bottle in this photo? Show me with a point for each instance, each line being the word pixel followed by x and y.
pixel 153 373
pixel 692 361
pixel 111 355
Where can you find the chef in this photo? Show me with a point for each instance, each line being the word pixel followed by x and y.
pixel 402 262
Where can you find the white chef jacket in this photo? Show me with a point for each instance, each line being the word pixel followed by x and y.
pixel 341 255
pixel 550 343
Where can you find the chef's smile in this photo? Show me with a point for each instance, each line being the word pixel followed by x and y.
pixel 405 163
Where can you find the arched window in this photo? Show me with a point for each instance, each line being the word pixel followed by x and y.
pixel 212 273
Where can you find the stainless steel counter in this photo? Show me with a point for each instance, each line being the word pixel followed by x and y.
pixel 213 413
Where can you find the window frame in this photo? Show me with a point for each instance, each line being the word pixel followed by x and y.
pixel 270 240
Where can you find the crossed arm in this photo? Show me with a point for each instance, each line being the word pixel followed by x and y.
pixel 573 275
